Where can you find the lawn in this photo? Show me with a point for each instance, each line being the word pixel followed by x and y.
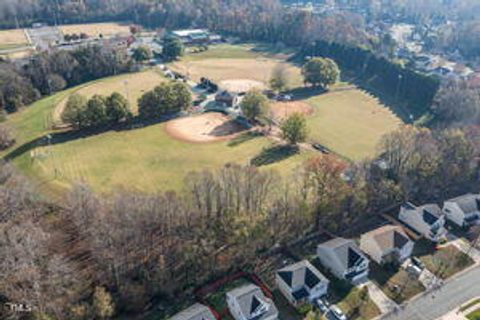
pixel 231 62
pixel 358 307
pixel 474 315
pixel 350 122
pixel 397 284
pixel 106 29
pixel 13 38
pixel 144 159
pixel 446 261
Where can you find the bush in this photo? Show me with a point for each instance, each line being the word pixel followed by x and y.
pixel 6 137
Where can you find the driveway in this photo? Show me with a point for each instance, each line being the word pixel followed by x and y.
pixel 435 304
pixel 384 303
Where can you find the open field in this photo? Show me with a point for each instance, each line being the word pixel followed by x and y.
pixel 107 29
pixel 146 159
pixel 13 38
pixel 232 62
pixel 131 86
pixel 350 122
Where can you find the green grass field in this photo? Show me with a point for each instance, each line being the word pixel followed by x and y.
pixel 350 122
pixel 346 120
pixel 144 159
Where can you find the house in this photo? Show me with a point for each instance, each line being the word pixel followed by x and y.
pixel 192 36
pixel 195 312
pixel 301 282
pixel 464 211
pixel 344 259
pixel 227 98
pixel 249 303
pixel 387 244
pixel 428 220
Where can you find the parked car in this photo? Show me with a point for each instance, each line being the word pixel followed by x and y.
pixel 284 97
pixel 418 262
pixel 323 305
pixel 338 313
pixel 413 269
pixel 319 147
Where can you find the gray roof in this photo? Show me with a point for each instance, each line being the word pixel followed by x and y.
pixel 430 213
pixel 195 312
pixel 250 298
pixel 301 274
pixel 468 203
pixel 388 237
pixel 346 251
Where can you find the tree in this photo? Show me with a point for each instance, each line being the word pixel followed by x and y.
pixel 103 305
pixel 172 48
pixel 96 111
pixel 168 97
pixel 74 112
pixel 117 108
pixel 294 128
pixel 254 105
pixel 142 53
pixel 279 79
pixel 321 72
pixel 6 137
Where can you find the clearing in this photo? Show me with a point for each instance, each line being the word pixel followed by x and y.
pixel 350 122
pixel 146 159
pixel 106 29
pixel 12 39
pixel 242 64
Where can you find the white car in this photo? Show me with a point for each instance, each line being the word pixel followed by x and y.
pixel 322 305
pixel 338 313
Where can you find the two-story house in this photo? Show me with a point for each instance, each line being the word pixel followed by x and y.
pixel 464 211
pixel 428 220
pixel 301 282
pixel 344 259
pixel 250 303
pixel 387 244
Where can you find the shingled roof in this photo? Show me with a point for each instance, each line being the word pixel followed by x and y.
pixel 301 275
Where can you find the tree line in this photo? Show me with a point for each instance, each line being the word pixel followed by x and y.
pixel 417 91
pixel 46 73
pixel 90 256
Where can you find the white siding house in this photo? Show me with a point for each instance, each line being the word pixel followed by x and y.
pixel 301 282
pixel 464 211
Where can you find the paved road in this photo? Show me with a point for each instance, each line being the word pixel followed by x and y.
pixel 455 292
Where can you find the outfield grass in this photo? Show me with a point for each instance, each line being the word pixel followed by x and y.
pixel 230 62
pixel 13 38
pixel 145 159
pixel 350 122
pixel 106 29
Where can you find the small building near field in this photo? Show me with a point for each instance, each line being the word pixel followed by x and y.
pixel 197 311
pixel 464 211
pixel 301 282
pixel 227 98
pixel 387 244
pixel 192 36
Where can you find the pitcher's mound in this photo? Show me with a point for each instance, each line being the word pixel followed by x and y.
pixel 207 127
pixel 241 85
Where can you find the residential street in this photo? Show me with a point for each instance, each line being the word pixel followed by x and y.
pixel 432 306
